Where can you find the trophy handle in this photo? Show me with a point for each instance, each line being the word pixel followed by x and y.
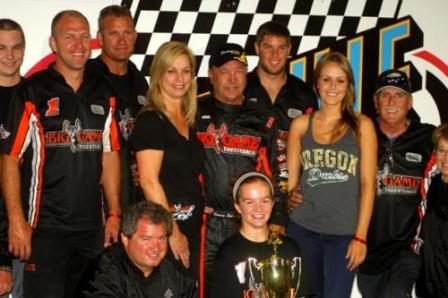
pixel 253 262
pixel 296 261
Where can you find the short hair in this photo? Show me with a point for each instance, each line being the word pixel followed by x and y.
pixel 163 59
pixel 146 210
pixel 272 28
pixel 11 25
pixel 114 11
pixel 61 14
pixel 249 178
pixel 441 132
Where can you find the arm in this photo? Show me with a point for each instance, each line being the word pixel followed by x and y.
pixel 296 132
pixel 368 161
pixel 149 162
pixel 19 231
pixel 6 282
pixel 111 185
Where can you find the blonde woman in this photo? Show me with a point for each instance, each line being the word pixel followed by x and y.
pixel 168 154
pixel 331 158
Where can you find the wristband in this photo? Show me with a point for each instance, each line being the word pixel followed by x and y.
pixel 115 214
pixel 360 240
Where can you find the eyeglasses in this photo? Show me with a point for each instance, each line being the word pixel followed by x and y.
pixel 441 152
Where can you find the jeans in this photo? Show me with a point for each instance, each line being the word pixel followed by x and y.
pixel 395 282
pixel 325 257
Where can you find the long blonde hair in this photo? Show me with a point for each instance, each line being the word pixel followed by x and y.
pixel 163 59
pixel 349 116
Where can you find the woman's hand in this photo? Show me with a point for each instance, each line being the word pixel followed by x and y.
pixel 356 254
pixel 179 246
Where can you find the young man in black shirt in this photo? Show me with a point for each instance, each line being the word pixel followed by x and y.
pixel 116 35
pixel 12 50
pixel 234 272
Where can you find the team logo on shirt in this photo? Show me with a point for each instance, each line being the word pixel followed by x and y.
pixel 126 123
pixel 168 293
pixel 52 107
pixel 223 142
pixel 390 183
pixel 4 134
pixel 75 137
pixel 182 212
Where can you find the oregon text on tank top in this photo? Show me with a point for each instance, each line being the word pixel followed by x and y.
pixel 329 185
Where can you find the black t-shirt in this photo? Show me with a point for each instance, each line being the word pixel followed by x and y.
pixel 231 274
pixel 183 160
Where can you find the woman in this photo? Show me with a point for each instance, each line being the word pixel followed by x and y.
pixel 169 156
pixel 252 194
pixel 331 158
pixel 435 222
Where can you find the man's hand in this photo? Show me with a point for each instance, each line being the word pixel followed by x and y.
pixel 179 247
pixel 6 282
pixel 111 230
pixel 294 200
pixel 277 229
pixel 19 237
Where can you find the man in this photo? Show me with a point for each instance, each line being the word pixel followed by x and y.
pixel 61 127
pixel 12 50
pixel 237 138
pixel 137 267
pixel 392 267
pixel 116 36
pixel 273 88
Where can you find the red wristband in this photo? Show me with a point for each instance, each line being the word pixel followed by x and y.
pixel 115 214
pixel 360 240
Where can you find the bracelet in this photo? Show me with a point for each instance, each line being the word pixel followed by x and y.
pixel 360 240
pixel 115 214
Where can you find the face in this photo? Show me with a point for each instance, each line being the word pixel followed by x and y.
pixel 393 105
pixel 229 81
pixel 71 43
pixel 273 52
pixel 177 78
pixel 117 38
pixel 148 246
pixel 255 205
pixel 441 151
pixel 12 50
pixel 332 84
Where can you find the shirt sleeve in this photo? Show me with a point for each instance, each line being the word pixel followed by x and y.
pixel 148 132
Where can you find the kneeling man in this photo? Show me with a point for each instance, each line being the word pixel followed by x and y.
pixel 137 267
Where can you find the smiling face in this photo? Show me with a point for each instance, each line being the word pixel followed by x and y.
pixel 332 84
pixel 229 81
pixel 71 43
pixel 441 152
pixel 393 105
pixel 273 52
pixel 117 38
pixel 147 247
pixel 12 50
pixel 255 205
pixel 177 79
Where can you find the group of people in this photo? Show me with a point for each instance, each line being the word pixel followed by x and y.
pixel 113 188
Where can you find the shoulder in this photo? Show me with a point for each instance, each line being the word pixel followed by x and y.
pixel 300 124
pixel 230 246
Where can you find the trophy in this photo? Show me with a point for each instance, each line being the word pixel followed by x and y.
pixel 279 277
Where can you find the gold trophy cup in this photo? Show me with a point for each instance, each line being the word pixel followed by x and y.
pixel 280 277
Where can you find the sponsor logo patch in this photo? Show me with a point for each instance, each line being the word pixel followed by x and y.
pixel 4 134
pixel 293 113
pixel 142 100
pixel 413 157
pixel 52 107
pixel 97 109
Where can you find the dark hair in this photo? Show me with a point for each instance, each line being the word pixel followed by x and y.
pixel 348 114
pixel 272 28
pixel 441 132
pixel 147 210
pixel 114 11
pixel 11 25
pixel 248 178
pixel 60 15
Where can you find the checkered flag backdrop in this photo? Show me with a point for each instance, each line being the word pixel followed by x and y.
pixel 206 24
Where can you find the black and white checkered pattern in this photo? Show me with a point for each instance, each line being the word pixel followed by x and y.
pixel 205 24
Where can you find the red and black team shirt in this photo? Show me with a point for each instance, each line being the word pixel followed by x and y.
pixel 60 136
